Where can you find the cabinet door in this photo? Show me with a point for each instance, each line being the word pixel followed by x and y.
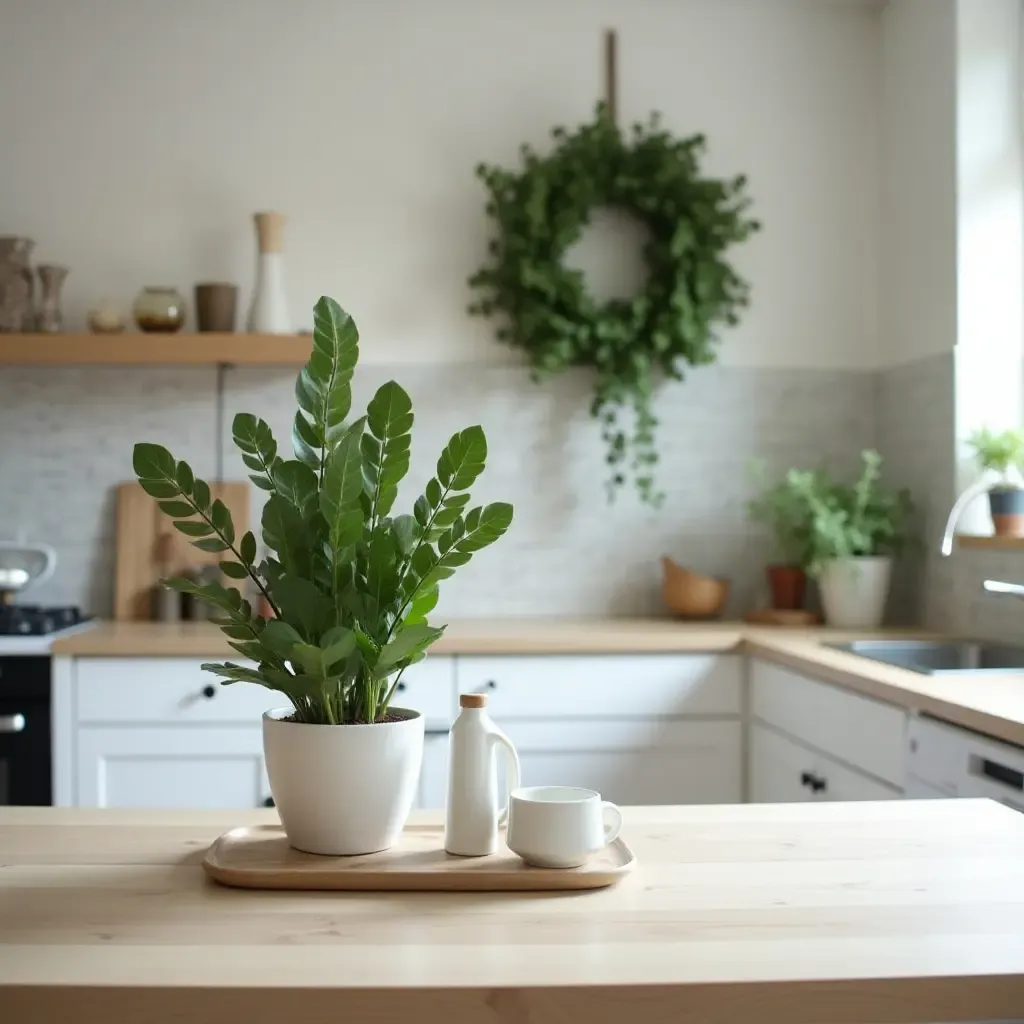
pixel 433 791
pixel 780 769
pixel 640 762
pixel 834 781
pixel 171 768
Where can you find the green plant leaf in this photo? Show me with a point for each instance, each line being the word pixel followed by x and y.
pixel 462 459
pixel 247 548
pixel 279 638
pixel 284 531
pixel 176 508
pixel 407 641
pixel 297 483
pixel 221 519
pixel 156 470
pixel 255 440
pixel 336 644
pixel 389 418
pixel 303 605
pixel 193 527
pixel 210 544
pixel 421 606
pixel 234 570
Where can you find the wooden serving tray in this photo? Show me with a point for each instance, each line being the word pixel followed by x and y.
pixel 260 858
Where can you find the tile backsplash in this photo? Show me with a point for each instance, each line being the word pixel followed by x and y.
pixel 68 435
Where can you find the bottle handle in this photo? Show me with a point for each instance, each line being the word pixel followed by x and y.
pixel 499 739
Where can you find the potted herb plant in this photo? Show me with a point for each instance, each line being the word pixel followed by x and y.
pixel 1002 454
pixel 350 585
pixel 782 509
pixel 855 530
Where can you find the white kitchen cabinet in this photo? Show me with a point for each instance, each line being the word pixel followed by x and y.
pixel 785 771
pixel 169 767
pixel 868 735
pixel 779 768
pixel 577 687
pixel 634 762
pixel 433 791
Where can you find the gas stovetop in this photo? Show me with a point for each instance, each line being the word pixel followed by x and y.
pixel 36 620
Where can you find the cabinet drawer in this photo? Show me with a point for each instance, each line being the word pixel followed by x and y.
pixel 862 732
pixel 177 690
pixel 569 686
pixel 635 762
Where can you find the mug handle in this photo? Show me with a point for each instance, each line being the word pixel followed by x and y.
pixel 611 832
pixel 499 739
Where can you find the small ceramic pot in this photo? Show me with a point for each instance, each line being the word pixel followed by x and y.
pixel 216 306
pixel 159 310
pixel 1007 507
pixel 788 586
pixel 343 790
pixel 854 591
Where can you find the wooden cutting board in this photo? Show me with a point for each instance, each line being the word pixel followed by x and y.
pixel 141 551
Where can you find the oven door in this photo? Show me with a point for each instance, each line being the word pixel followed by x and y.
pixel 25 772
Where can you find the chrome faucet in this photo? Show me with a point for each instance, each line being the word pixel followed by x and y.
pixel 961 503
pixel 1000 587
pixel 989 586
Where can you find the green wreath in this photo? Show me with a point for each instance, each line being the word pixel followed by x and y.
pixel 540 211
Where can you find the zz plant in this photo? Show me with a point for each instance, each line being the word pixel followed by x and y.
pixel 350 584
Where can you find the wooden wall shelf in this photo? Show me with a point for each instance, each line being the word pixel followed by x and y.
pixel 154 349
pixel 991 543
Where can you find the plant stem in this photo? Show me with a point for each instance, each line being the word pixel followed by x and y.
pixel 231 547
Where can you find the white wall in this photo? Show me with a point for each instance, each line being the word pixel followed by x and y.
pixel 139 135
pixel 917 313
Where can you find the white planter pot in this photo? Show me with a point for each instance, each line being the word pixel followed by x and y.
pixel 343 789
pixel 854 591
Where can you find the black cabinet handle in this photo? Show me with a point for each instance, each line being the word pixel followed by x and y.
pixel 491 684
pixel 209 692
pixel 269 802
pixel 400 687
pixel 815 782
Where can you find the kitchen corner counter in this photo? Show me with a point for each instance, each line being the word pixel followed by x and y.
pixel 894 912
pixel 990 704
pixel 464 636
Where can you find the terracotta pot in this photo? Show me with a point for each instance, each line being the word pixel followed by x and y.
pixel 788 584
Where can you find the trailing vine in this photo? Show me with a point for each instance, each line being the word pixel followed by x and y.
pixel 539 211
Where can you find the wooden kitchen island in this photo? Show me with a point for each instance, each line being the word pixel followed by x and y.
pixel 890 912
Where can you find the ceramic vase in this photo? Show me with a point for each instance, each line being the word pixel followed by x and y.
pixel 159 310
pixel 854 591
pixel 16 284
pixel 216 304
pixel 50 319
pixel 268 313
pixel 343 790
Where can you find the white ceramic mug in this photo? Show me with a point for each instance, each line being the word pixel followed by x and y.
pixel 559 826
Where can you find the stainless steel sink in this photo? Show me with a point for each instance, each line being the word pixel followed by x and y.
pixel 939 657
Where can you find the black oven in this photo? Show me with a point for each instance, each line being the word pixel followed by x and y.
pixel 25 771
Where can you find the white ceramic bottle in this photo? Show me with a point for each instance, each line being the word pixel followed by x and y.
pixel 268 313
pixel 473 812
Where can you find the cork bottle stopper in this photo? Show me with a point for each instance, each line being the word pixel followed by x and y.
pixel 270 231
pixel 472 700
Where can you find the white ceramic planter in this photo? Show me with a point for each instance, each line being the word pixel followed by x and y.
pixel 854 591
pixel 343 789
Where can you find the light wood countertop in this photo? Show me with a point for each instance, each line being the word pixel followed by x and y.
pixel 993 704
pixel 893 912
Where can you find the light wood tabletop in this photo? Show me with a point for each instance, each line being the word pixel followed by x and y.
pixel 850 913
